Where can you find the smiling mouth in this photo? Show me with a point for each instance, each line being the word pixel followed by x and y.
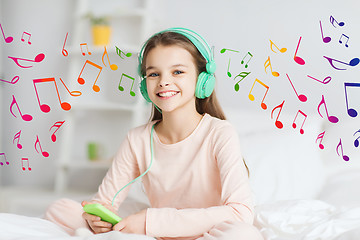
pixel 167 94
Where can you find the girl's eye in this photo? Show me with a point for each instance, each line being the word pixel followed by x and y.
pixel 153 75
pixel 178 72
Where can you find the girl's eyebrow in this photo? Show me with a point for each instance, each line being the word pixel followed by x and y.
pixel 173 66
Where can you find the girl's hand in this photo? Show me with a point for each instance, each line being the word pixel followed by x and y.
pixel 95 222
pixel 132 224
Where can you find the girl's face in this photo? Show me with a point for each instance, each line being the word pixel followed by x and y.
pixel 171 77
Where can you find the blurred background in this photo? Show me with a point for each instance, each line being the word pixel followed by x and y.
pixel 66 148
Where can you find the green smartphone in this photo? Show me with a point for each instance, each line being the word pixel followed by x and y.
pixel 102 212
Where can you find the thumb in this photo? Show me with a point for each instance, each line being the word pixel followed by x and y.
pixel 83 203
pixel 119 226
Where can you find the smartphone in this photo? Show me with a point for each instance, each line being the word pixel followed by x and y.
pixel 102 212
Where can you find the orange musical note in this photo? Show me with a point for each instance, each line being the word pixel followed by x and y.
pixel 301 97
pixel 64 52
pixel 37 59
pixel 133 80
pixel 282 50
pixel 72 93
pixel 45 154
pixel 25 117
pixel 112 66
pixel 278 124
pixel 87 49
pixel 7 39
pixel 251 96
pixel 268 64
pixel 81 81
pixel 57 125
pixel 332 119
pixel 22 37
pixel 13 81
pixel 17 136
pixel 294 124
pixel 119 53
pixel 346 158
pixel 298 59
pixel 22 164
pixel 320 136
pixel 242 75
pixel 250 57
pixel 6 162
pixel 44 107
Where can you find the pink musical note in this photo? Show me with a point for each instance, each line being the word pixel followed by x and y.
pixel 133 80
pixel 282 50
pixel 325 39
pixel 268 64
pixel 7 39
pixel 119 53
pixel 278 124
pixel 45 154
pixel 332 119
pixel 64 52
pixel 346 158
pixel 346 44
pixel 321 137
pixel 242 75
pixel 356 142
pixel 38 59
pixel 57 125
pixel 325 81
pixel 13 81
pixel 251 96
pixel 112 66
pixel 6 162
pixel 298 59
pixel 352 112
pixel 353 62
pixel 294 124
pixel 250 57
pixel 44 107
pixel 28 164
pixel 87 49
pixel 17 136
pixel 72 93
pixel 81 81
pixel 25 117
pixel 332 20
pixel 22 37
pixel 301 97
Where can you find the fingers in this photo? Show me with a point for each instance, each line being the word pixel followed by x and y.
pixel 120 226
pixel 96 224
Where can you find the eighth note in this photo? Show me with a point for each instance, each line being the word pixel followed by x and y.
pixel 332 119
pixel 25 117
pixel 81 48
pixel 346 45
pixel 353 62
pixel 248 54
pixel 356 142
pixel 28 164
pixel 81 80
pixel 294 124
pixel 346 158
pixel 278 124
pixel 112 66
pixel 251 96
pixel 122 88
pixel 44 153
pixel 282 50
pixel 6 162
pixel 22 37
pixel 37 59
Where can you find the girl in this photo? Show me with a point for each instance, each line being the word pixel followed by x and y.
pixel 188 154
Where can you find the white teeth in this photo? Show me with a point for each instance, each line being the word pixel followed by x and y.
pixel 167 94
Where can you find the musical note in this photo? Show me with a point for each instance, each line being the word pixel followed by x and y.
pixel 81 81
pixel 321 137
pixel 228 71
pixel 282 50
pixel 22 37
pixel 278 124
pixel 248 54
pixel 87 49
pixel 44 107
pixel 6 162
pixel 37 59
pixel 346 45
pixel 356 142
pixel 332 119
pixel 57 125
pixel 325 39
pixel 22 164
pixel 325 81
pixel 346 158
pixel 17 136
pixel 294 124
pixel 301 97
pixel 122 89
pixel 112 66
pixel 45 154
pixel 298 59
pixel 119 52
pixel 13 81
pixel 7 39
pixel 353 62
pixel 242 75
pixel 332 20
pixel 25 117
pixel 251 96
pixel 72 93
pixel 226 49
pixel 268 64
pixel 63 51
pixel 352 112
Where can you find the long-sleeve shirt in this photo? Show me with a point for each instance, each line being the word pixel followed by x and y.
pixel 192 185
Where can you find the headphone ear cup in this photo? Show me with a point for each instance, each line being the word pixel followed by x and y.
pixel 143 90
pixel 205 85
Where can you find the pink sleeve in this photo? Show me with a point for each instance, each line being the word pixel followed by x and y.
pixel 123 169
pixel 236 195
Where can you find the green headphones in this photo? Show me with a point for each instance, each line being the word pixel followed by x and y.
pixel 206 80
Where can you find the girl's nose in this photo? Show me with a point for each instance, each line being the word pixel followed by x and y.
pixel 164 81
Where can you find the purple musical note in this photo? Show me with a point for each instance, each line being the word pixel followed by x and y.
pixel 353 62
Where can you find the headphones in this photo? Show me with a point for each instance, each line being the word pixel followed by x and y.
pixel 206 80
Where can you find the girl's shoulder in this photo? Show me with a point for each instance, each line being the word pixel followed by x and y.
pixel 142 131
pixel 216 124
